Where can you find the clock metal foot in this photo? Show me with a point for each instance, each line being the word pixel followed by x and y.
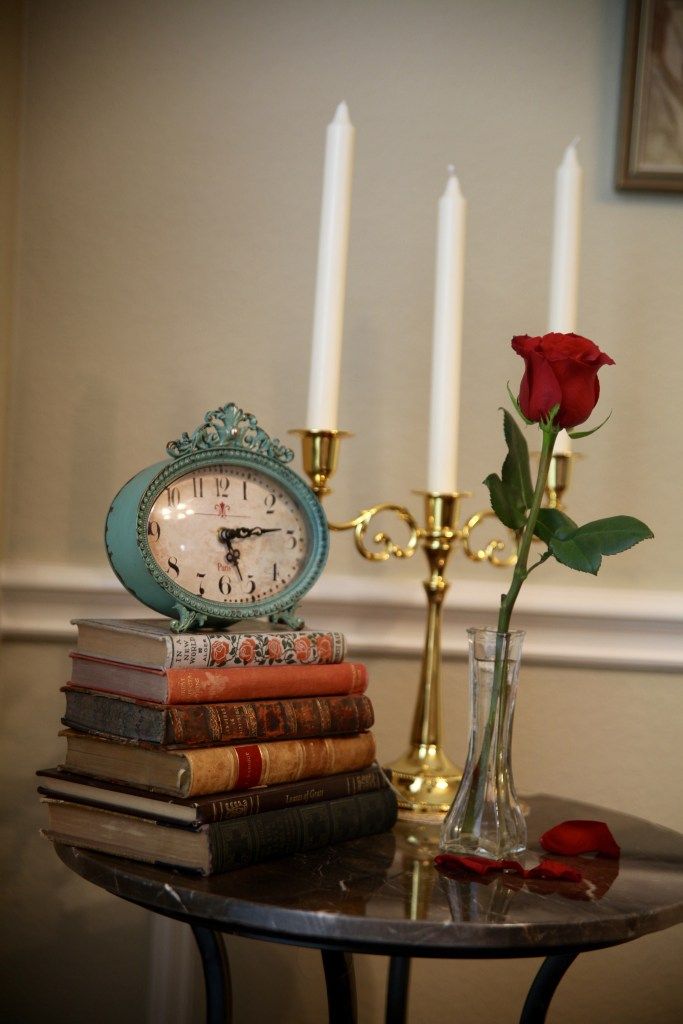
pixel 187 619
pixel 287 618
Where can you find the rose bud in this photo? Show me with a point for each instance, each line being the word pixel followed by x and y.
pixel 560 369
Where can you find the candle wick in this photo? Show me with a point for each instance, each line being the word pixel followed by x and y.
pixel 341 115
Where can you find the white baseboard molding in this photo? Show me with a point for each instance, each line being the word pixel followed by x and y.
pixel 566 625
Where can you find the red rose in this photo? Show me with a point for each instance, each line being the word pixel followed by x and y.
pixel 302 648
pixel 561 369
pixel 275 648
pixel 219 652
pixel 247 650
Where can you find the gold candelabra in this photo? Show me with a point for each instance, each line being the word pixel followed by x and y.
pixel 425 777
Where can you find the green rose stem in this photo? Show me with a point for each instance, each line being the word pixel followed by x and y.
pixel 507 603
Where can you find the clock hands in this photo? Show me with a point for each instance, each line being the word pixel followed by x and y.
pixel 232 556
pixel 242 532
pixel 226 535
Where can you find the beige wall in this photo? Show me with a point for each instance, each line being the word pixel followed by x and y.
pixel 171 188
pixel 168 213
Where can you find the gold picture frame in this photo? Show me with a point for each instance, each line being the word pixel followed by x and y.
pixel 650 149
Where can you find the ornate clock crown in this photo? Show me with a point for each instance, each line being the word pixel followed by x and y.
pixel 229 427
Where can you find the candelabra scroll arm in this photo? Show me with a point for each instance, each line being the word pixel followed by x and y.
pixel 558 481
pixel 491 552
pixel 320 449
pixel 388 548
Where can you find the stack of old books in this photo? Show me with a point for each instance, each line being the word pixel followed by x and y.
pixel 212 751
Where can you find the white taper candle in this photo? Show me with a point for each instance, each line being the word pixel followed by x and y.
pixel 447 339
pixel 564 271
pixel 328 319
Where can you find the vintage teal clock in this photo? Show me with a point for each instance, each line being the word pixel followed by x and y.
pixel 222 531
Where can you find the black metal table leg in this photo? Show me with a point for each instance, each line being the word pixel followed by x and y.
pixel 216 975
pixel 542 990
pixel 397 990
pixel 341 986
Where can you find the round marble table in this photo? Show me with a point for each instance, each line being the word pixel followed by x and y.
pixel 382 895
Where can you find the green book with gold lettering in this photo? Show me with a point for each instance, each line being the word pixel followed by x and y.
pixel 225 845
pixel 202 810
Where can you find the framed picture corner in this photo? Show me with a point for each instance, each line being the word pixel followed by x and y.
pixel 650 139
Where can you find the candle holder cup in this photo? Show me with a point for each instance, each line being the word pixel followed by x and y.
pixel 559 477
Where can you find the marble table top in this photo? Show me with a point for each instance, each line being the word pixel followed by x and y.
pixel 383 894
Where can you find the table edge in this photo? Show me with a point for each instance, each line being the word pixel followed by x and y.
pixel 267 922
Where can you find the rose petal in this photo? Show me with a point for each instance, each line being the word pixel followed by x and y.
pixel 577 836
pixel 480 865
pixel 553 869
pixel 580 392
pixel 539 390
pixel 483 866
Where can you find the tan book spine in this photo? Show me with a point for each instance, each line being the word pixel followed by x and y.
pixel 216 769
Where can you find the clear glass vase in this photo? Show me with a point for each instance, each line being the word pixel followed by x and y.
pixel 485 817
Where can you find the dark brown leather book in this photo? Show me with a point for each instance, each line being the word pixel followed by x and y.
pixel 189 725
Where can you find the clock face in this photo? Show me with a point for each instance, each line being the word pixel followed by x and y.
pixel 229 534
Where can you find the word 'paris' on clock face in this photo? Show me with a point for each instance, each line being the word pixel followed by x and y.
pixel 227 533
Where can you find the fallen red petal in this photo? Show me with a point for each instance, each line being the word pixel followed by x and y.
pixel 480 865
pixel 553 869
pixel 573 837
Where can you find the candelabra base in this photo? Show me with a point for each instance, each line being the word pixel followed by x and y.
pixel 426 781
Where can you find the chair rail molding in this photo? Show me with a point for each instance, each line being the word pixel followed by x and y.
pixel 566 625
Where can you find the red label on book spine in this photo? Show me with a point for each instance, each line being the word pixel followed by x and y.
pixel 250 765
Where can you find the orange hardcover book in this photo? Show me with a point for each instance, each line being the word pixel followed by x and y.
pixel 207 685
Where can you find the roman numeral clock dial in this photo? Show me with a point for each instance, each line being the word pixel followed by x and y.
pixel 222 531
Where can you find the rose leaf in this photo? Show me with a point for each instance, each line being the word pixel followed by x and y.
pixel 551 522
pixel 517 407
pixel 516 473
pixel 502 504
pixel 577 552
pixel 574 434
pixel 615 534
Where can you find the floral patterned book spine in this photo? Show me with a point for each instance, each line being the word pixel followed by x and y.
pixel 217 649
pixel 155 645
